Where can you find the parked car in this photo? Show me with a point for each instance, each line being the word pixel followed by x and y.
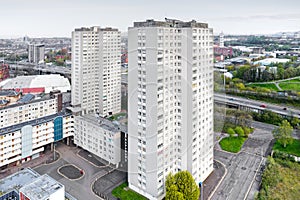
pixel 284 108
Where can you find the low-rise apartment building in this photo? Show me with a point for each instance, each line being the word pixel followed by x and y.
pixel 25 141
pixel 100 136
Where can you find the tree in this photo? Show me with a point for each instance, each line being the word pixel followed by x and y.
pixel 172 193
pixel 240 86
pixel 295 122
pixel 241 70
pixel 270 177
pixel 283 133
pixel 181 186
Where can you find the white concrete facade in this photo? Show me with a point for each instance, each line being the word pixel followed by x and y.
pixel 18 113
pixel 221 39
pixel 98 136
pixel 24 141
pixel 36 53
pixel 170 103
pixel 96 70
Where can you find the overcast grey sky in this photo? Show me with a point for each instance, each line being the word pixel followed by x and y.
pixel 41 18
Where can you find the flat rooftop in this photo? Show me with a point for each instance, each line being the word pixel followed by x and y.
pixel 18 180
pixel 113 126
pixel 41 188
pixel 9 93
pixel 170 23
pixel 96 28
pixel 38 99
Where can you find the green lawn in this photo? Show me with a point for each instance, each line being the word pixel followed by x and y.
pixel 270 86
pixel 296 80
pixel 293 149
pixel 232 144
pixel 290 86
pixel 123 194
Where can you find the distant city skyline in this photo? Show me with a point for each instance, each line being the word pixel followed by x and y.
pixel 56 18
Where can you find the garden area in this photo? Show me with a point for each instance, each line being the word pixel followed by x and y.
pixel 124 193
pixel 237 136
pixel 235 123
pixel 280 180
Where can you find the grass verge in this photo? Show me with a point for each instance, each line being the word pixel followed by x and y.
pixel 126 194
pixel 270 86
pixel 290 86
pixel 232 144
pixel 293 149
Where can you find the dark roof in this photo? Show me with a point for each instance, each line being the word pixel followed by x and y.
pixel 3 101
pixel 9 93
pixel 45 97
pixel 170 23
pixel 26 98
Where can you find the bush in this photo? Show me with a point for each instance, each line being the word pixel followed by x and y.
pixel 239 130
pixel 230 131
pixel 283 156
pixel 247 131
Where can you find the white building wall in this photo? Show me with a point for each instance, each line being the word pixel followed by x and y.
pixel 42 134
pixel 17 114
pixel 58 194
pixel 102 142
pixel 96 70
pixel 170 104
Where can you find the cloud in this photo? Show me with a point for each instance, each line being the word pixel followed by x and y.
pixel 290 16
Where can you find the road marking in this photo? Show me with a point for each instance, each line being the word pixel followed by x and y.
pixel 83 172
pixel 247 193
pixel 213 192
pixel 96 178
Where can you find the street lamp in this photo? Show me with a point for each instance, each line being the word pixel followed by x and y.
pixel 201 187
pixel 54 151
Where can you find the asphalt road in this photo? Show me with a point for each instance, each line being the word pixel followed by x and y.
pixel 257 104
pixel 244 169
pixel 44 68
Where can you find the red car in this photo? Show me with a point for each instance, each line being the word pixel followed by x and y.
pixel 263 106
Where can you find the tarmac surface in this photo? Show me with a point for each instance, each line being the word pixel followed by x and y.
pixel 104 185
pixel 244 169
pixel 70 171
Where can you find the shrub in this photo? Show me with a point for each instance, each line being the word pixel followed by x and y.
pixel 247 131
pixel 283 156
pixel 230 131
pixel 239 130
